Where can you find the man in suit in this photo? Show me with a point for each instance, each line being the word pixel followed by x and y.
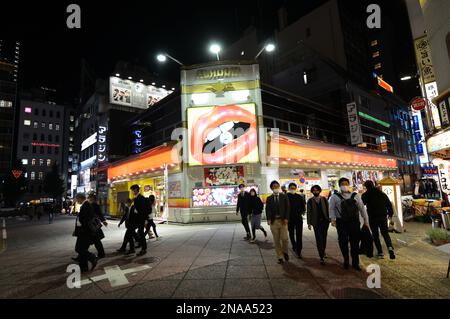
pixel 142 206
pixel 277 213
pixel 243 206
pixel 86 234
pixel 100 218
pixel 318 217
pixel 295 225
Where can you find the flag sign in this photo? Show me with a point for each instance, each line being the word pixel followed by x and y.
pixel 16 173
pixel 418 104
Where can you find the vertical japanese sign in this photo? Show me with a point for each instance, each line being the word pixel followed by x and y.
pixel 137 141
pixel 443 111
pixel 444 175
pixel 354 125
pixel 102 136
pixel 424 61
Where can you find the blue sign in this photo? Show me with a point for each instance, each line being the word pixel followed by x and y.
pixel 137 143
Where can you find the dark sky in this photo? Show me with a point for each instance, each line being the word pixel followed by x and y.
pixel 126 30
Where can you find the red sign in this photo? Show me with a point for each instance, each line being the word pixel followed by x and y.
pixel 45 144
pixel 385 85
pixel 418 103
pixel 16 173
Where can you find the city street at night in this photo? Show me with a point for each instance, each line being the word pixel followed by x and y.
pixel 209 261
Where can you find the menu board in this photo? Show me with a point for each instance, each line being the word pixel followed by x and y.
pixel 217 196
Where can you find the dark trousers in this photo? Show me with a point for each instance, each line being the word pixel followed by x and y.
pixel 129 239
pixel 349 232
pixel 150 223
pixel 244 220
pixel 380 224
pixel 99 246
pixel 141 234
pixel 321 233
pixel 82 248
pixel 295 234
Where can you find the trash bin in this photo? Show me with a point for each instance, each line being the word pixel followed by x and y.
pixel 436 223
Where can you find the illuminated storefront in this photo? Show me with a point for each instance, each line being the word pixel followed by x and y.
pixel 226 144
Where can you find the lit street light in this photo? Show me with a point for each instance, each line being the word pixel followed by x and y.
pixel 162 57
pixel 215 49
pixel 268 47
pixel 406 78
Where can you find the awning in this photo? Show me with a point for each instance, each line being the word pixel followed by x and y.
pixel 287 151
pixel 146 162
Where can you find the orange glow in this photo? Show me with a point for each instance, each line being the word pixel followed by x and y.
pixel 179 202
pixel 289 149
pixel 385 85
pixel 152 159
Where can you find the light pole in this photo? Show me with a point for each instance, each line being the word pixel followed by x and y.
pixel 269 47
pixel 162 57
pixel 215 49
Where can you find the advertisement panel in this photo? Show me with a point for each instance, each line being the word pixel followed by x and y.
pixel 217 196
pixel 431 92
pixel 444 174
pixel 222 134
pixel 354 125
pixel 229 175
pixel 134 94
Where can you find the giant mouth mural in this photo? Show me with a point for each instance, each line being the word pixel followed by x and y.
pixel 222 134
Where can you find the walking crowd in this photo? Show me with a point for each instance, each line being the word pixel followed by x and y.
pixel 358 220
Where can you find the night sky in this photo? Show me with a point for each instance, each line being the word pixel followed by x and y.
pixel 129 30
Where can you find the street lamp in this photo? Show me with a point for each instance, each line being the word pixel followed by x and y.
pixel 215 49
pixel 406 78
pixel 269 47
pixel 162 57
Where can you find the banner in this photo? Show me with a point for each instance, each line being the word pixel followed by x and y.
pixel 228 175
pixel 444 174
pixel 424 61
pixel 354 125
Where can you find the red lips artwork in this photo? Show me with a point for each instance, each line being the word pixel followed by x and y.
pixel 222 134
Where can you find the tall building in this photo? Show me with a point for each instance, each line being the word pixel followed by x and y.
pixel 9 67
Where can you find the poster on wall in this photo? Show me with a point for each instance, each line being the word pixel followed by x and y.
pixel 228 175
pixel 222 134
pixel 217 196
pixel 175 189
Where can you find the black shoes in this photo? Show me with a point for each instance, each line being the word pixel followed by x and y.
pixel 247 237
pixel 94 263
pixel 281 261
pixel 391 254
pixel 380 255
pixel 286 257
pixel 142 252
pixel 299 255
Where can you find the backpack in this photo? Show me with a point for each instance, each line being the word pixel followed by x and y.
pixel 349 208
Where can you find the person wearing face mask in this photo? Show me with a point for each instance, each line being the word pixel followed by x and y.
pixel 256 208
pixel 277 213
pixel 318 217
pixel 295 225
pixel 243 207
pixel 345 210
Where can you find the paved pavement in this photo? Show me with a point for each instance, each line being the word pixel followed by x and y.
pixel 191 261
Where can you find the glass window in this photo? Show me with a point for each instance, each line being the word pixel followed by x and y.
pixel 374 43
pixel 50 138
pixel 56 150
pixel 375 54
pixel 50 113
pixel 58 115
pixel 42 137
pixel 57 138
pixel 41 175
pixel 25 148
pixel 71 139
pixel 44 113
pixel 34 149
pixel 57 127
pixel 43 124
pixel 49 150
pixel 72 118
pixel 24 161
pixel 49 162
pixel 27 122
pixel 32 176
pixel 35 124
pixel 41 162
pixel 50 126
pixel 71 128
pixel 34 136
pixel 42 150
pixel 377 66
pixel 33 162
pixel 26 135
pixel 36 112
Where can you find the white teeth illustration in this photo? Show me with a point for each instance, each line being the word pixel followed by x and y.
pixel 213 134
pixel 226 126
pixel 226 138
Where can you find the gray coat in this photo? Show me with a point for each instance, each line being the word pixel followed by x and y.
pixel 313 212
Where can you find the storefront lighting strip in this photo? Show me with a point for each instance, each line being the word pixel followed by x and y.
pixel 373 119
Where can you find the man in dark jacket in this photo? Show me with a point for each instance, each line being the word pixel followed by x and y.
pixel 142 206
pixel 100 219
pixel 295 225
pixel 130 219
pixel 277 214
pixel 318 217
pixel 243 206
pixel 86 234
pixel 378 208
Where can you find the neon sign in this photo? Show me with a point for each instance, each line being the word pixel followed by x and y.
pixel 137 134
pixel 102 143
pixel 45 144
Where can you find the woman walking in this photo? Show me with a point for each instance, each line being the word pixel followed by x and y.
pixel 256 208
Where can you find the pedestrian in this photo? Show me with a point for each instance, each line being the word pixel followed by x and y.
pixel 39 211
pixel 379 209
pixel 243 207
pixel 85 231
pixel 284 189
pixel 345 211
pixel 302 194
pixel 142 206
pixel 297 206
pixel 150 220
pixel 277 213
pixel 256 208
pixel 318 218
pixel 419 190
pixel 130 219
pixel 100 219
